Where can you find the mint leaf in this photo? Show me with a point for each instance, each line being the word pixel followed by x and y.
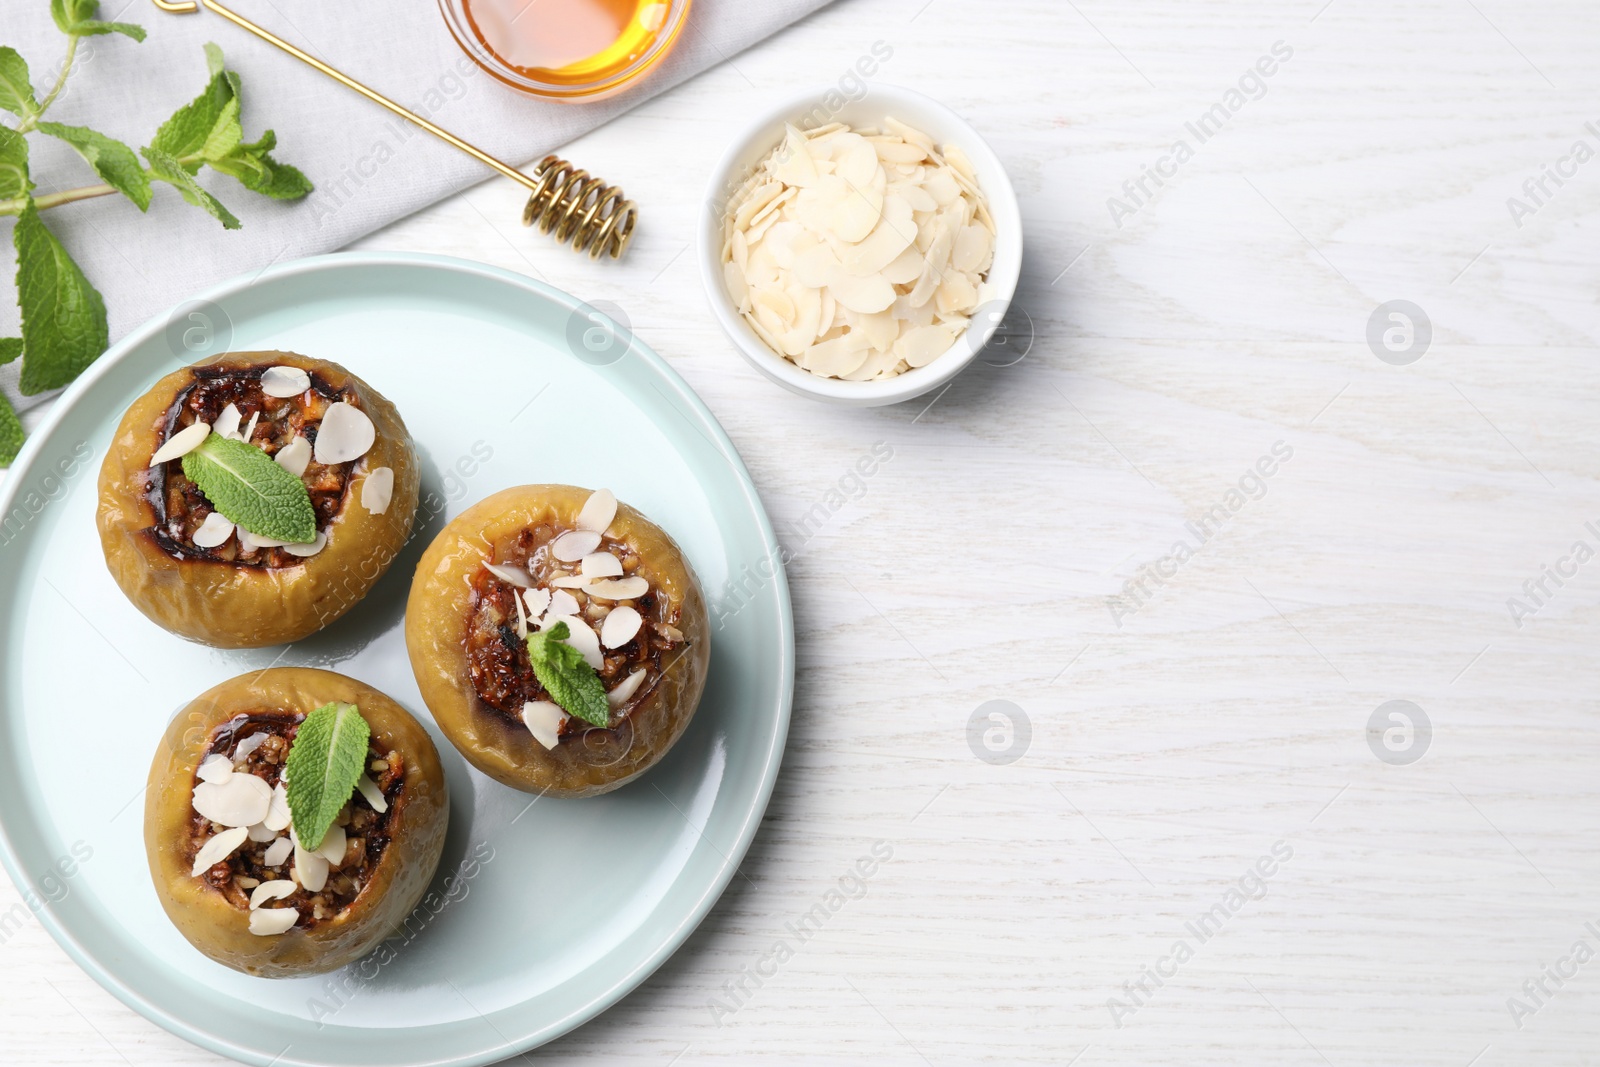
pixel 14 180
pixel 10 431
pixel 252 490
pixel 10 349
pixel 114 161
pixel 327 757
pixel 225 135
pixel 567 677
pixel 76 18
pixel 260 173
pixel 63 318
pixel 16 91
pixel 165 168
pixel 186 132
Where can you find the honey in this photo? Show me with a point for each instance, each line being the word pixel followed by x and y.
pixel 570 42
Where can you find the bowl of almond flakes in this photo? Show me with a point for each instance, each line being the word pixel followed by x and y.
pixel 863 251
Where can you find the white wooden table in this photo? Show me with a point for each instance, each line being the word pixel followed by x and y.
pixel 1180 736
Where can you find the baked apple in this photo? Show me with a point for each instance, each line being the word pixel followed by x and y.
pixel 215 543
pixel 228 841
pixel 559 638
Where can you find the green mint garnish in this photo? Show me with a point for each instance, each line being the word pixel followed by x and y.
pixel 567 677
pixel 252 490
pixel 63 318
pixel 325 761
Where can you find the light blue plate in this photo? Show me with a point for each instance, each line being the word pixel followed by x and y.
pixel 543 915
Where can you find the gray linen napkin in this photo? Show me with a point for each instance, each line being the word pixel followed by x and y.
pixel 369 166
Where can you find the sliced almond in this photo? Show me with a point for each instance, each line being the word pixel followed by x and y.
pixel 217 849
pixel 620 626
pixel 250 542
pixel 866 295
pixel 249 745
pixel 227 424
pixel 310 868
pixel 510 575
pixel 239 801
pixel 269 922
pixel 377 489
pixel 346 434
pixel 307 551
pixel 214 532
pixel 543 719
pixel 561 603
pixel 284 382
pixel 573 545
pixel 538 602
pixel 620 588
pixel 581 636
pixel 277 852
pixel 277 817
pixel 261 835
pixel 625 689
pixel 838 357
pixel 522 615
pixel 923 345
pixel 332 847
pixel 601 565
pixel 181 443
pixel 295 456
pixel 267 892
pixel 372 794
pixel 215 768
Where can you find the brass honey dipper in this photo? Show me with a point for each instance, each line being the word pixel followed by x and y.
pixel 575 206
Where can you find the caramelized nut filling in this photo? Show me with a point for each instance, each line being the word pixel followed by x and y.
pixel 367 832
pixel 497 657
pixel 179 505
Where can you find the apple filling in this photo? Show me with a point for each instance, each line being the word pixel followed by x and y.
pixel 626 627
pixel 280 410
pixel 244 846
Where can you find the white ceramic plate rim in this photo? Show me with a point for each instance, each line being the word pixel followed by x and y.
pixel 1004 274
pixel 690 403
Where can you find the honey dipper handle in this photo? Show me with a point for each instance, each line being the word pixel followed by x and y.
pixel 187 6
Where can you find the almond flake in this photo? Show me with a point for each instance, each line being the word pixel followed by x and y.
pixel 215 768
pixel 572 546
pixel 249 745
pixel 522 615
pixel 619 588
pixel 582 637
pixel 625 689
pixel 240 801
pixel 250 542
pixel 620 626
pixel 538 601
pixel 284 382
pixel 277 852
pixel 227 424
pixel 543 719
pixel 295 456
pixel 217 849
pixel 267 892
pixel 250 428
pixel 261 835
pixel 332 847
pixel 277 817
pixel 601 565
pixel 377 490
pixel 374 796
pixel 346 434
pixel 181 443
pixel 310 869
pixel 214 532
pixel 269 922
pixel 561 603
pixel 510 575
pixel 306 551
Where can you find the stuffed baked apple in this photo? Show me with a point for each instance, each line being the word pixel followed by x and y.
pixel 293 819
pixel 253 498
pixel 559 638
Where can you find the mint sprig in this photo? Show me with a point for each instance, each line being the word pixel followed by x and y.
pixel 325 761
pixel 567 676
pixel 63 317
pixel 252 490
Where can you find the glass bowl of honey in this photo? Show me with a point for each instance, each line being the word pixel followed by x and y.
pixel 566 49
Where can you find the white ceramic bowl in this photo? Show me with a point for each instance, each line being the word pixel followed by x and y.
pixel 945 127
